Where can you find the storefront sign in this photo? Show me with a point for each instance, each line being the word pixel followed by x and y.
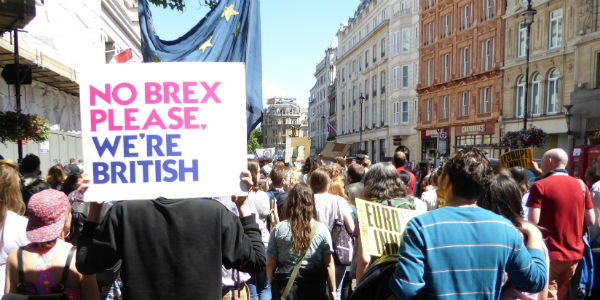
pixel 434 133
pixel 476 129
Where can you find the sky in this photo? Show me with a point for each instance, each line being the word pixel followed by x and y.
pixel 295 35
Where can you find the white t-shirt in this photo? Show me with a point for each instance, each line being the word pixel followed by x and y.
pixel 12 237
pixel 260 200
pixel 430 198
pixel 327 208
pixel 525 208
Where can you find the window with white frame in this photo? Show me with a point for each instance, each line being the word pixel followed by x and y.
pixel 405 40
pixel 464 102
pixel 382 82
pixel 353 120
pixel 402 6
pixel 366 58
pixel 552 96
pixel 486 54
pixel 416 110
pixel 520 97
pixel 367 88
pixel 429 33
pixel 522 45
pixel 382 48
pixel 366 116
pixel 446 66
pixel 415 73
pixel 374 52
pixel 555 30
pixel 374 85
pixel 396 42
pixel 374 111
pixel 404 112
pixel 429 3
pixel 374 22
pixel 488 9
pixel 404 77
pixel 416 36
pixel 395 78
pixel 444 107
pixel 485 100
pixel 447 25
pixel 536 85
pixel 382 105
pixel 466 16
pixel 428 110
pixel 429 72
pixel 384 15
pixel 465 61
pixel 395 112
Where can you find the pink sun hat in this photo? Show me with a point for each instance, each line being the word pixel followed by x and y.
pixel 47 212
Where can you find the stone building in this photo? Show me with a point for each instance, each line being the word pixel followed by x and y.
pixel 554 39
pixel 376 62
pixel 460 78
pixel 65 38
pixel 282 118
pixel 319 101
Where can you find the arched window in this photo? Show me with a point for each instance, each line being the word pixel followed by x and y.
pixel 552 96
pixel 520 97
pixel 536 87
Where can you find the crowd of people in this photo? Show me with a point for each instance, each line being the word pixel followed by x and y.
pixel 296 235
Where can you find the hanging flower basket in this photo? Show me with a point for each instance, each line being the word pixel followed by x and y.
pixel 532 137
pixel 18 126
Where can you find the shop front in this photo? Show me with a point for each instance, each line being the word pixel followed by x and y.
pixel 435 143
pixel 481 136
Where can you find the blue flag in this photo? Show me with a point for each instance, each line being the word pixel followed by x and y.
pixel 230 32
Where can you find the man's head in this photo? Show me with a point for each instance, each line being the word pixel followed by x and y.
pixel 468 173
pixel 319 180
pixel 280 176
pixel 399 159
pixel 72 161
pixel 355 173
pixel 554 159
pixel 31 164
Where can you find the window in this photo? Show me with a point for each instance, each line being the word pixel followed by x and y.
pixel 465 61
pixel 520 95
pixel 395 78
pixel 396 42
pixel 464 101
pixel 375 53
pixel 405 40
pixel 429 33
pixel 429 74
pixel 522 40
pixel 374 22
pixel 366 58
pixel 429 3
pixel 353 120
pixel 552 99
pixel 374 111
pixel 382 107
pixel 486 55
pixel 395 112
pixel 446 66
pixel 404 77
pixel 466 17
pixel 404 115
pixel 383 82
pixel 536 84
pixel 444 108
pixel 374 85
pixel 383 48
pixel 384 15
pixel 447 25
pixel 367 89
pixel 366 116
pixel 428 110
pixel 555 30
pixel 416 110
pixel 485 100
pixel 488 9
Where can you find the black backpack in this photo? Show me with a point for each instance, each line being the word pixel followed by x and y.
pixel 37 185
pixel 375 282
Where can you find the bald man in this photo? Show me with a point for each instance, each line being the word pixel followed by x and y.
pixel 560 203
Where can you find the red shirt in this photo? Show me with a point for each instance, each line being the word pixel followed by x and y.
pixel 411 184
pixel 562 206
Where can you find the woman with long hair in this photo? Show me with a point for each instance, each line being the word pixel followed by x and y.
pixel 56 177
pixel 504 198
pixel 291 239
pixel 48 257
pixel 520 177
pixel 12 209
pixel 71 184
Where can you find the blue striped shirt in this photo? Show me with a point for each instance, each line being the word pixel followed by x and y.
pixel 463 252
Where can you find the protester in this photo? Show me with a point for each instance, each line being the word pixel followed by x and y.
pixel 56 177
pixel 422 177
pixel 289 241
pixel 595 194
pixel 11 215
pixel 520 177
pixel 429 196
pixel 461 250
pixel 560 204
pixel 399 162
pixel 504 198
pixel 71 184
pixel 43 261
pixel 31 182
pixel 355 189
pixel 258 283
pixel 72 168
pixel 169 248
pixel 280 177
pixel 590 178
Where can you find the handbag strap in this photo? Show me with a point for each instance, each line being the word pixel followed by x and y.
pixel 290 282
pixel 20 266
pixel 63 280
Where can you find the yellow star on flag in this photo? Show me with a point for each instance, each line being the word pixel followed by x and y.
pixel 206 44
pixel 228 12
pixel 155 58
pixel 237 29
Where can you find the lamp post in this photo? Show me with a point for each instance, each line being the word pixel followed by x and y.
pixel 528 20
pixel 362 100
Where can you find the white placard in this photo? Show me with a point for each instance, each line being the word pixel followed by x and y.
pixel 176 130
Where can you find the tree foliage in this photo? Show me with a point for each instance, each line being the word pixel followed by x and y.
pixel 180 4
pixel 255 141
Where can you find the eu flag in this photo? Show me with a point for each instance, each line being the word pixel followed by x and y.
pixel 230 32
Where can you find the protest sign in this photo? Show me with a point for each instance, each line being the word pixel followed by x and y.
pixel 517 158
pixel 382 226
pixel 176 130
pixel 331 150
pixel 265 152
pixel 297 148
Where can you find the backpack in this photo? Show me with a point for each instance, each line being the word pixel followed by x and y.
pixel 36 186
pixel 375 282
pixel 273 218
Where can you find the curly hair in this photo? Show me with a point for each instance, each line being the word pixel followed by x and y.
pixel 470 173
pixel 335 171
pixel 299 209
pixel 383 182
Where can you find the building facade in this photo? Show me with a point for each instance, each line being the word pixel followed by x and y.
pixel 319 101
pixel 62 41
pixel 376 62
pixel 554 39
pixel 460 78
pixel 283 118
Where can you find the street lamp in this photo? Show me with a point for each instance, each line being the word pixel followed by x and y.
pixel 528 20
pixel 362 99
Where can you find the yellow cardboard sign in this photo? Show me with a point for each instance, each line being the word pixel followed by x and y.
pixel 517 158
pixel 382 226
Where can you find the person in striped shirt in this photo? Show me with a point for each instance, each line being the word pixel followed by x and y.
pixel 461 251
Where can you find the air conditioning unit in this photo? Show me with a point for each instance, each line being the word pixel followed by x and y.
pixel 16 13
